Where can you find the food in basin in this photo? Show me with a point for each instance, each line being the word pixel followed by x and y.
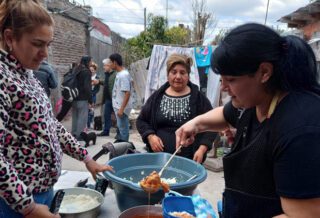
pixel 152 183
pixel 130 169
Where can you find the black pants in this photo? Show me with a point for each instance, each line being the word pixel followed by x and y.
pixel 66 105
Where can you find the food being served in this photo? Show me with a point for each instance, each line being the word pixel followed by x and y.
pixel 182 214
pixel 152 183
pixel 78 203
pixel 169 181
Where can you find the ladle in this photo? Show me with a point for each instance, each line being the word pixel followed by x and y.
pixel 178 149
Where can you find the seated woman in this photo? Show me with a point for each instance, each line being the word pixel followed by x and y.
pixel 172 105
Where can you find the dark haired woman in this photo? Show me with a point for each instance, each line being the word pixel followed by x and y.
pixel 273 167
pixel 80 106
pixel 31 139
pixel 172 105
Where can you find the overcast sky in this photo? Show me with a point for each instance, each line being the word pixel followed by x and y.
pixel 126 16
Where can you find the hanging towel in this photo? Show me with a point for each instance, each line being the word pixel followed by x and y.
pixel 202 56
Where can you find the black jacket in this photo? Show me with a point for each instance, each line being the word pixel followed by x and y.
pixel 146 122
pixel 84 84
pixel 107 91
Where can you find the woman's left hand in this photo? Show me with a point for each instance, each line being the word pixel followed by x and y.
pixel 94 168
pixel 198 155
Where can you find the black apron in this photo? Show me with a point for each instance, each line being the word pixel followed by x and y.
pixel 250 189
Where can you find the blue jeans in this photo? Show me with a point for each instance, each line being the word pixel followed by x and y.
pixel 108 109
pixel 79 117
pixel 123 126
pixel 90 117
pixel 40 198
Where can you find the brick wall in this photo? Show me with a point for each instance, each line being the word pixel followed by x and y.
pixel 72 39
pixel 69 42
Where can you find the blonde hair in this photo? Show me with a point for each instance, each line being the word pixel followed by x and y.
pixel 175 59
pixel 94 65
pixel 22 16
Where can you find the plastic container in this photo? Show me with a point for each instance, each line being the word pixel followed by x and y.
pixel 130 169
pixel 177 204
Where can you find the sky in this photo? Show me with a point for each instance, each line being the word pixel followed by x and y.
pixel 126 16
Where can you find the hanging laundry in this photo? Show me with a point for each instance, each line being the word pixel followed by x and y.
pixel 202 56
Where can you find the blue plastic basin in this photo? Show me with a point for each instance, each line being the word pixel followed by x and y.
pixel 130 169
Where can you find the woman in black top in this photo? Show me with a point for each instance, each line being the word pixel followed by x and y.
pixel 273 167
pixel 173 104
pixel 80 105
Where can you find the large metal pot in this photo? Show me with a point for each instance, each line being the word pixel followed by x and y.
pixel 143 210
pixel 91 213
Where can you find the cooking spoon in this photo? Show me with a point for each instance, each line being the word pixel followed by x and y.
pixel 152 183
pixel 161 171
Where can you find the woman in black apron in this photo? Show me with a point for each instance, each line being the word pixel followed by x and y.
pixel 273 167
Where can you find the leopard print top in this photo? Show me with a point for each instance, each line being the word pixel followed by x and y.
pixel 31 139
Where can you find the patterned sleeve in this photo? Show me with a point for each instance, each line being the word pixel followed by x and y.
pixel 14 192
pixel 70 145
pixel 125 82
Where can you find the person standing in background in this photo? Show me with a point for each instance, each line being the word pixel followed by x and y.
pixel 66 105
pixel 94 90
pixel 107 83
pixel 46 76
pixel 32 141
pixel 121 96
pixel 80 105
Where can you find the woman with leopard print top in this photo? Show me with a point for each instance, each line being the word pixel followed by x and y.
pixel 31 139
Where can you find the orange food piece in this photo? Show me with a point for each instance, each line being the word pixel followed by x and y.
pixel 152 183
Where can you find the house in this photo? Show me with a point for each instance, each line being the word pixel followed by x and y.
pixel 307 21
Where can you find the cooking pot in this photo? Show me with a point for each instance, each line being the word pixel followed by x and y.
pixel 142 211
pixel 131 168
pixel 91 213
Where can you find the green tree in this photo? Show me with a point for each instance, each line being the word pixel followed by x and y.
pixel 156 28
pixel 140 46
pixel 177 35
